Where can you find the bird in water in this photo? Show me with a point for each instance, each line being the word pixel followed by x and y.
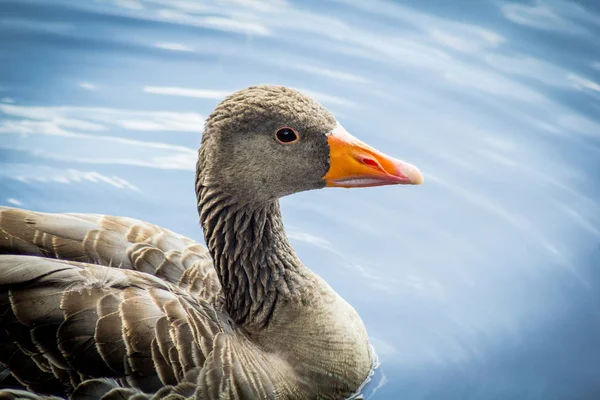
pixel 104 307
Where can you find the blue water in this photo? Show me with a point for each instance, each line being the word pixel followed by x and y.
pixel 483 283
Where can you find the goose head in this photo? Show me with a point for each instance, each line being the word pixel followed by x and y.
pixel 266 142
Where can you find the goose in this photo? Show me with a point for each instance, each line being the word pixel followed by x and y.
pixel 105 307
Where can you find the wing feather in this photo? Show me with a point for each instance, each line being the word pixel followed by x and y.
pixel 68 322
pixel 119 242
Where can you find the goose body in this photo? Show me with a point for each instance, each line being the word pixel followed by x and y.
pixel 104 307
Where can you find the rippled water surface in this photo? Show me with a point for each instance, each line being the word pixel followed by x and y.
pixel 484 283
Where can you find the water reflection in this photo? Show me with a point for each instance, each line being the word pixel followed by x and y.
pixel 483 283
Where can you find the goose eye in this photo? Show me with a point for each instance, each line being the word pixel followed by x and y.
pixel 286 135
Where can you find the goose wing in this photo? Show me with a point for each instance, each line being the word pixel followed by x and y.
pixel 103 307
pixel 66 324
pixel 120 242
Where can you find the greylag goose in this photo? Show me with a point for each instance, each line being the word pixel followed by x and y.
pixel 103 307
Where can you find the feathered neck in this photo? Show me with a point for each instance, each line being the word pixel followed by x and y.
pixel 256 265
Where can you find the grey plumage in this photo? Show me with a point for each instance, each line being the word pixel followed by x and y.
pixel 114 308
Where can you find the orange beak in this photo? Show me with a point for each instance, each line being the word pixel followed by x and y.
pixel 356 164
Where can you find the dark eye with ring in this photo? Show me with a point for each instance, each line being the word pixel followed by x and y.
pixel 286 135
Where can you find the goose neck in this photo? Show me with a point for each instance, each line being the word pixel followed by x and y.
pixel 256 265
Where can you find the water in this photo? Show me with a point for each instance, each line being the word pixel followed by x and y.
pixel 481 284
